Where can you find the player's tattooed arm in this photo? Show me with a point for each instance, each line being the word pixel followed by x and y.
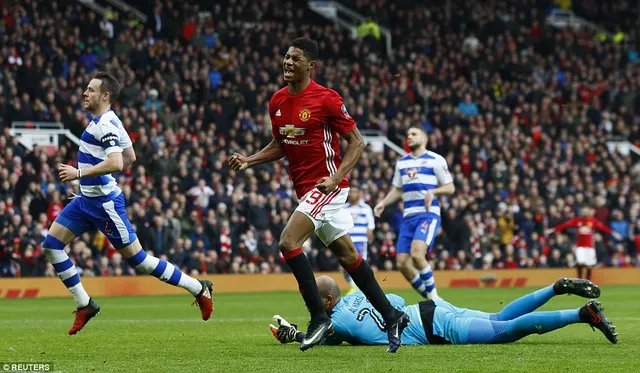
pixel 269 153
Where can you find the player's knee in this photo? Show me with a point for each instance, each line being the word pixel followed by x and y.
pixel 404 262
pixel 418 255
pixel 347 257
pixel 286 243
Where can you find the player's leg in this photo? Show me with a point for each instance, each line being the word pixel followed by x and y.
pixel 423 239
pixel 590 261
pixel 483 331
pixel 57 238
pixel 487 331
pixel 580 261
pixel 361 247
pixel 68 225
pixel 111 218
pixel 335 235
pixel 295 233
pixel 535 300
pixel 403 258
pixel 165 271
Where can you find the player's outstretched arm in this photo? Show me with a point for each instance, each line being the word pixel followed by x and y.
pixel 112 164
pixel 269 153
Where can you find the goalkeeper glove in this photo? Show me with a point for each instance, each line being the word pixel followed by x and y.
pixel 284 332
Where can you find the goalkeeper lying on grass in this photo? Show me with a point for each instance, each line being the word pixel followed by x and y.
pixel 439 322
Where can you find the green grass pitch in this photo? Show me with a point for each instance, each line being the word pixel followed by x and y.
pixel 166 334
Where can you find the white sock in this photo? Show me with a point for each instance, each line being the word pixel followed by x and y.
pixel 79 295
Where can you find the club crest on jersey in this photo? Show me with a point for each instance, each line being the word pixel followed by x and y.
pixel 412 173
pixel 291 131
pixel 344 111
pixel 305 115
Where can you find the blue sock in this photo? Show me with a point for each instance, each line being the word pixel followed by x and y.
pixel 419 285
pixel 525 304
pixel 66 271
pixel 164 271
pixel 426 274
pixel 487 332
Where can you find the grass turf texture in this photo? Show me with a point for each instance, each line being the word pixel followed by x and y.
pixel 165 334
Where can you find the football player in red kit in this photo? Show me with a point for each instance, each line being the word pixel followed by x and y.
pixel 585 248
pixel 307 122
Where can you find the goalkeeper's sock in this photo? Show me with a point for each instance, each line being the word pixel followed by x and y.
pixel 303 273
pixel 364 278
pixel 147 264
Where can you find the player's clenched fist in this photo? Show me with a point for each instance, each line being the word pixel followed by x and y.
pixel 67 173
pixel 327 185
pixel 377 211
pixel 238 162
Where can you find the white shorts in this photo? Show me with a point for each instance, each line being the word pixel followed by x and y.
pixel 586 256
pixel 328 213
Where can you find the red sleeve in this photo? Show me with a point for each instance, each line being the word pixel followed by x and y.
pixel 601 227
pixel 573 223
pixel 339 117
pixel 272 114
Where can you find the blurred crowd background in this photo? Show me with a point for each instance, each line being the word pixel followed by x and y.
pixel 520 110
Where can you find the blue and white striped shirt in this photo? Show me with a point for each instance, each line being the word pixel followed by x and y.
pixel 362 221
pixel 104 135
pixel 417 175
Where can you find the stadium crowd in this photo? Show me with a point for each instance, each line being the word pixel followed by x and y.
pixel 520 110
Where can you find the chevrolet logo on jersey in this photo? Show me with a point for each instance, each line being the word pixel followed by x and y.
pixel 291 131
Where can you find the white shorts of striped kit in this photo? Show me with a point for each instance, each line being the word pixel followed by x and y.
pixel 328 213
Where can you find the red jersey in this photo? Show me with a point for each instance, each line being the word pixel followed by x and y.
pixel 309 125
pixel 585 228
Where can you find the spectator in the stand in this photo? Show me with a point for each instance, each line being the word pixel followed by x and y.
pixel 520 110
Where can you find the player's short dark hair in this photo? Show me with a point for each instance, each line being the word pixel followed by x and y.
pixel 109 84
pixel 308 46
pixel 419 127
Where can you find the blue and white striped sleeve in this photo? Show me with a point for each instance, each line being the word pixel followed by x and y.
pixel 441 169
pixel 125 140
pixel 397 178
pixel 371 222
pixel 108 135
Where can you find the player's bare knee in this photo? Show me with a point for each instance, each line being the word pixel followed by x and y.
pixel 61 233
pixel 404 262
pixel 347 257
pixel 287 243
pixel 131 250
pixel 418 254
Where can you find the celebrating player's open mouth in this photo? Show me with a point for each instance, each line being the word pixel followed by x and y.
pixel 289 72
